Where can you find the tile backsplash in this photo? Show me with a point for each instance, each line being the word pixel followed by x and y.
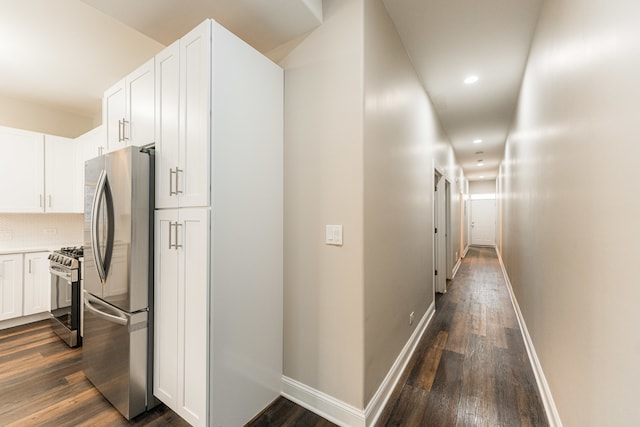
pixel 20 231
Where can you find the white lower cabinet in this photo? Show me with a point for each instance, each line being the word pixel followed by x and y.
pixel 180 318
pixel 10 286
pixel 37 283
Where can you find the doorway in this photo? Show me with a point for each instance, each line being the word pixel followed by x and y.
pixel 441 231
pixel 483 221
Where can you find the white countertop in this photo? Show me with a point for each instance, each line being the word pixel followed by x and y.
pixel 44 248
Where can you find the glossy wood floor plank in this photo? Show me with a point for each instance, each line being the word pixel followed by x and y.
pixel 42 384
pixel 483 376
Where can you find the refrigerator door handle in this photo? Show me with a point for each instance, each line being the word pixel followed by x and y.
pixel 103 190
pixel 89 300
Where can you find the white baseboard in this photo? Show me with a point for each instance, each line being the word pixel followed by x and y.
pixel 455 268
pixel 328 407
pixel 465 251
pixel 382 395
pixel 545 392
pixel 19 321
pixel 342 413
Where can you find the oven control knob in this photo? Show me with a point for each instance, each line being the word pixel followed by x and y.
pixel 50 256
pixel 68 262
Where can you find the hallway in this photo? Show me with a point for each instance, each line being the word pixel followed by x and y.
pixel 471 367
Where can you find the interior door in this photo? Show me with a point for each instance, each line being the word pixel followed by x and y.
pixel 440 224
pixel 483 222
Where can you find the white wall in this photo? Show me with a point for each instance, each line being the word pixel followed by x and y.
pixel 323 285
pixel 361 142
pixel 482 187
pixel 403 140
pixel 570 207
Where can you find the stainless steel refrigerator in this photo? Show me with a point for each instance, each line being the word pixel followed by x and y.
pixel 118 282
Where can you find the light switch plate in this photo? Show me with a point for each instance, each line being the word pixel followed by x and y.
pixel 333 235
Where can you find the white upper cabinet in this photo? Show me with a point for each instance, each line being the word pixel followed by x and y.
pixel 87 146
pixel 167 125
pixel 114 116
pixel 183 108
pixel 22 171
pixel 37 171
pixel 128 109
pixel 59 174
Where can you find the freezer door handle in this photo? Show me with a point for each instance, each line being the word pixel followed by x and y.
pixel 89 302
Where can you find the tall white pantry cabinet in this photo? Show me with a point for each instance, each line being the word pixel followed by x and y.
pixel 218 228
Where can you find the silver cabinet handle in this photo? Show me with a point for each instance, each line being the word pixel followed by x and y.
pixel 171 172
pixel 40 200
pixel 170 227
pixel 122 131
pixel 49 200
pixel 177 225
pixel 29 266
pixel 178 170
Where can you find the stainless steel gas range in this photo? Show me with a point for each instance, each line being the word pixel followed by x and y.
pixel 64 265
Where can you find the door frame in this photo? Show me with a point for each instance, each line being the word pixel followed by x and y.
pixel 439 249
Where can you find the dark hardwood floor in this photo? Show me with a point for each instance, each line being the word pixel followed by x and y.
pixel 470 369
pixel 42 384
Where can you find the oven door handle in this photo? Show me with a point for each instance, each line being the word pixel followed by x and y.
pixel 103 192
pixel 64 274
pixel 90 300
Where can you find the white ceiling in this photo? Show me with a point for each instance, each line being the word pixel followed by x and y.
pixel 449 40
pixel 64 53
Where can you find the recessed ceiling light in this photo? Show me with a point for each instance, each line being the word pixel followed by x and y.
pixel 481 176
pixel 470 80
pixel 477 141
pixel 480 163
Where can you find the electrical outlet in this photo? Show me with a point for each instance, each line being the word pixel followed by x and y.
pixel 411 317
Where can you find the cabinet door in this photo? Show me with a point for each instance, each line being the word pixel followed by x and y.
pixel 10 286
pixel 195 116
pixel 193 261
pixel 140 95
pixel 181 307
pixel 22 168
pixel 167 299
pixel 114 115
pixel 59 174
pixel 37 283
pixel 167 125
